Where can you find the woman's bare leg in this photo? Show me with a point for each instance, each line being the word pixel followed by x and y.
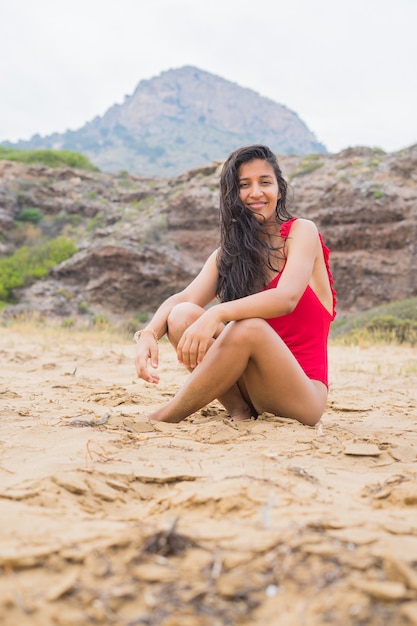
pixel 250 350
pixel 181 317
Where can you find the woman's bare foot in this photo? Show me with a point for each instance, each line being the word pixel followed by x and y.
pixel 242 413
pixel 237 405
pixel 237 413
pixel 161 416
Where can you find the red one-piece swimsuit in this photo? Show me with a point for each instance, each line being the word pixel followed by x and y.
pixel 306 329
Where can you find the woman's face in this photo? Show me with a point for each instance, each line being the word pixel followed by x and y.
pixel 258 189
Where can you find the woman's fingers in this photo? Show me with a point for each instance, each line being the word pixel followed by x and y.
pixel 201 351
pixel 191 351
pixel 186 353
pixel 154 356
pixel 143 359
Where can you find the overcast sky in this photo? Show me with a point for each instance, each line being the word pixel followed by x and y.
pixel 347 67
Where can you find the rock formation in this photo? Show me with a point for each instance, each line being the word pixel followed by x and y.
pixel 141 239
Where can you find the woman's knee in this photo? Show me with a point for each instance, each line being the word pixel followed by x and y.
pixel 247 330
pixel 181 316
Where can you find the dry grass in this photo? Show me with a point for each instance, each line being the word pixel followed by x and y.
pixel 395 322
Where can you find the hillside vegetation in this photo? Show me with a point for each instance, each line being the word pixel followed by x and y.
pixel 51 158
pixel 395 322
pixel 31 263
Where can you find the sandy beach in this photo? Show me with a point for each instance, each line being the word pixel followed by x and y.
pixel 109 519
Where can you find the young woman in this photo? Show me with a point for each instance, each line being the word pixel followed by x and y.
pixel 262 347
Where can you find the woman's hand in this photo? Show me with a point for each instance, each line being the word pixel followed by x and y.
pixel 197 338
pixel 147 351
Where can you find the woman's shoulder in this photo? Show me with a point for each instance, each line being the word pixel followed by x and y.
pixel 298 225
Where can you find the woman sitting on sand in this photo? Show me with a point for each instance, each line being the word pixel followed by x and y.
pixel 263 346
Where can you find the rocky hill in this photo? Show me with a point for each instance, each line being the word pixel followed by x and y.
pixel 141 239
pixel 182 119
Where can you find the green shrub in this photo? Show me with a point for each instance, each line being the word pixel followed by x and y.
pixel 32 262
pixel 129 327
pixel 389 328
pixel 83 308
pixel 68 322
pixel 101 322
pixel 51 158
pixel 309 164
pixel 395 322
pixel 142 317
pixel 29 215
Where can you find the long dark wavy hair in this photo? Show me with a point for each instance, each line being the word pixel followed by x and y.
pixel 245 246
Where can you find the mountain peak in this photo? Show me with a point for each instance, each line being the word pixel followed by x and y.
pixel 181 119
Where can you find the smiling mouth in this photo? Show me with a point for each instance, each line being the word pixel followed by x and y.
pixel 257 205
